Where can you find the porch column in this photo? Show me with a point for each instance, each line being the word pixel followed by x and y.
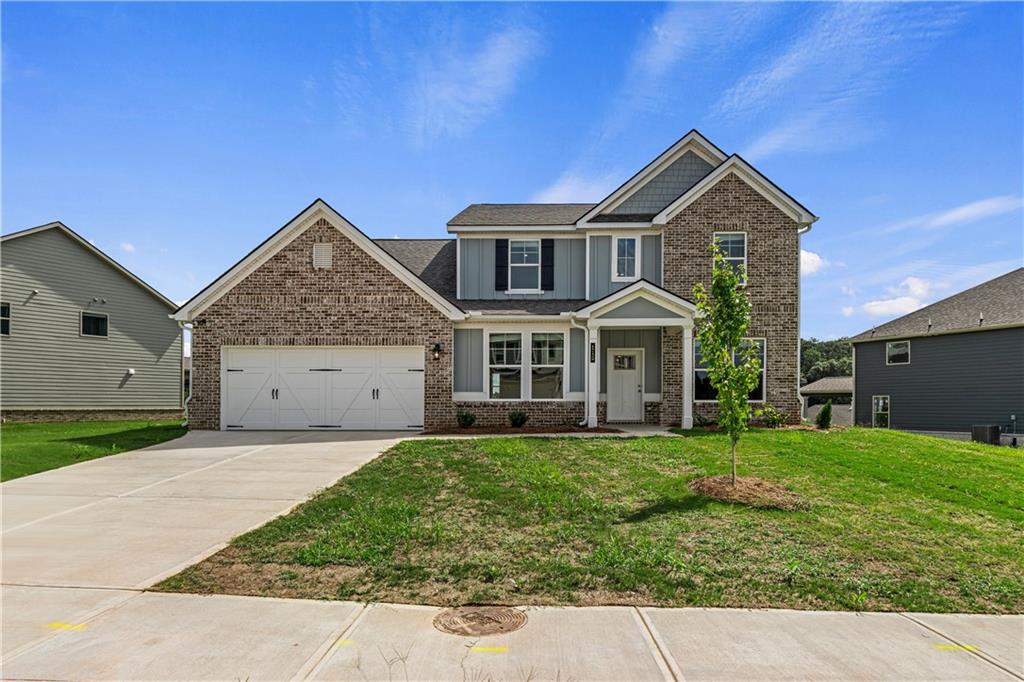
pixel 593 352
pixel 687 376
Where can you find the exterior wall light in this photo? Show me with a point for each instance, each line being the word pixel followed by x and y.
pixel 437 350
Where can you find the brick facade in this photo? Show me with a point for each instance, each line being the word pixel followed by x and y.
pixel 285 302
pixel 773 260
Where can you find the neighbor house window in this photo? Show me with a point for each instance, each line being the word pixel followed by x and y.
pixel 505 362
pixel 5 319
pixel 94 324
pixel 547 359
pixel 624 259
pixel 524 265
pixel 897 353
pixel 733 246
pixel 880 411
pixel 702 388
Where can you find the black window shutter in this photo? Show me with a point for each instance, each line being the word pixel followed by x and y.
pixel 501 265
pixel 547 264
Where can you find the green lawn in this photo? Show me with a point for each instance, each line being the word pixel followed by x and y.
pixel 29 448
pixel 893 521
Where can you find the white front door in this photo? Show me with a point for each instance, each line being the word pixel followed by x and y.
pixel 323 388
pixel 625 385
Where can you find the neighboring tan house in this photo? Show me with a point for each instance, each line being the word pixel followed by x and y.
pixel 837 389
pixel 573 313
pixel 80 335
pixel 948 366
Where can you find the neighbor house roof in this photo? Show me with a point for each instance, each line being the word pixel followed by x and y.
pixel 829 386
pixel 89 246
pixel 520 214
pixel 995 303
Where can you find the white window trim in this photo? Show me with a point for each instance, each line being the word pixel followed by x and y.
pixel 526 365
pixel 746 252
pixel 8 318
pixel 528 362
pixel 764 370
pixel 81 317
pixel 888 412
pixel 636 239
pixel 540 259
pixel 889 343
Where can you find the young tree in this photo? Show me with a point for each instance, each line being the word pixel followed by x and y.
pixel 733 366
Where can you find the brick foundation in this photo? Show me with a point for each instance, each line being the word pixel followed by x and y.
pixel 89 415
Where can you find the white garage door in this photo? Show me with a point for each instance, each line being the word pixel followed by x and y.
pixel 322 388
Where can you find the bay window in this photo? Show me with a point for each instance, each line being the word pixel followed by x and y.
pixel 702 388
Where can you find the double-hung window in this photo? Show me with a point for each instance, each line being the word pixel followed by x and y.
pixel 880 411
pixel 524 265
pixel 897 353
pixel 625 260
pixel 547 361
pixel 94 324
pixel 505 366
pixel 702 388
pixel 5 319
pixel 733 246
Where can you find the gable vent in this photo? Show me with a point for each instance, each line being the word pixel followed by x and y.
pixel 322 255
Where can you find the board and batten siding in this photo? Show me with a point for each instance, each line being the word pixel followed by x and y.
pixel 601 283
pixel 468 363
pixel 476 263
pixel 648 339
pixel 952 382
pixel 45 363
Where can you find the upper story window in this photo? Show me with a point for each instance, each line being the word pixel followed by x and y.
pixel 702 388
pixel 625 260
pixel 734 247
pixel 897 353
pixel 5 319
pixel 94 324
pixel 524 265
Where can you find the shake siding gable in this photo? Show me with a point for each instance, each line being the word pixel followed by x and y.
pixel 286 302
pixel 47 364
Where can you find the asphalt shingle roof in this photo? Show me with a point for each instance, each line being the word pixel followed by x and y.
pixel 997 302
pixel 520 214
pixel 829 386
pixel 432 260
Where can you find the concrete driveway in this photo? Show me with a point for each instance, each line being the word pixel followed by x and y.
pixel 73 537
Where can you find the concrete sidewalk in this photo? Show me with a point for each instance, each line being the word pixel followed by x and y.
pixel 153 636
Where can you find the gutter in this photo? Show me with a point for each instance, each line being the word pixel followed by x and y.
pixel 586 369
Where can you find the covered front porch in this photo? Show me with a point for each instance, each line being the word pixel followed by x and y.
pixel 639 357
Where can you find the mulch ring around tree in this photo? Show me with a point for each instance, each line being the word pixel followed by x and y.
pixel 749 490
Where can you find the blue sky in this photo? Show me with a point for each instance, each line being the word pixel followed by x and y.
pixel 178 136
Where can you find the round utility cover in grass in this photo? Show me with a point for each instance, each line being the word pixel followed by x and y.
pixel 477 621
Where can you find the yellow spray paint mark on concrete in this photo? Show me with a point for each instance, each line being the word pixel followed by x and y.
pixel 344 642
pixel 489 649
pixel 956 647
pixel 57 625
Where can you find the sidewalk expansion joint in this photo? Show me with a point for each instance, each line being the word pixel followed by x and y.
pixel 977 653
pixel 661 651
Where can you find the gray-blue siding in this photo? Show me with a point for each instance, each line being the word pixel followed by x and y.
pixel 469 360
pixel 648 339
pixel 952 381
pixel 601 283
pixel 476 264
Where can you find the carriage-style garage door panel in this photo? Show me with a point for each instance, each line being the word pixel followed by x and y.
pixel 323 388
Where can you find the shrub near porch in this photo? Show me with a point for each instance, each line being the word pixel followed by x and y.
pixel 894 521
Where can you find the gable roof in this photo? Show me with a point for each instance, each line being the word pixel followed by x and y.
pixel 282 237
pixel 829 386
pixel 992 304
pixel 640 288
pixel 88 246
pixel 735 164
pixel 520 214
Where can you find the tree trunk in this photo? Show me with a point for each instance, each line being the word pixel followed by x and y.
pixel 733 461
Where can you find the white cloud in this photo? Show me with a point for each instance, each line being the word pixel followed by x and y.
pixel 888 307
pixel 916 287
pixel 811 262
pixel 128 247
pixel 571 187
pixel 814 93
pixel 454 91
pixel 960 215
pixel 848 310
pixel 847 290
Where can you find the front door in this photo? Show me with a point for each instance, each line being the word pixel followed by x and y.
pixel 625 385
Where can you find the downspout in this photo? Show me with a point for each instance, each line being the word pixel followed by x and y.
pixel 586 370
pixel 181 325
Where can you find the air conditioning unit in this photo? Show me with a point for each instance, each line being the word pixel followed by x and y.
pixel 985 433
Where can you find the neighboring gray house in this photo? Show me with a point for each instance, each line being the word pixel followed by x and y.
pixel 837 389
pixel 948 366
pixel 81 336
